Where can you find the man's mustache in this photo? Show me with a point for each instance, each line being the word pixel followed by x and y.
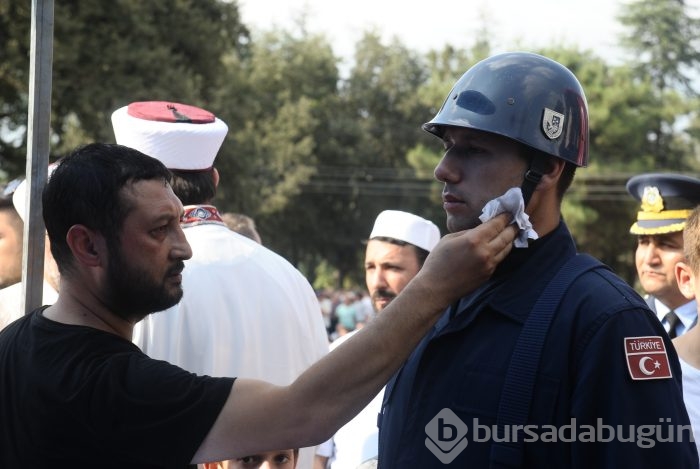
pixel 177 268
pixel 383 294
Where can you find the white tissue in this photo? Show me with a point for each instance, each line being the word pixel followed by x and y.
pixel 513 203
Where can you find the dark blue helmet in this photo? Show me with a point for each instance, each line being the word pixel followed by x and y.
pixel 523 96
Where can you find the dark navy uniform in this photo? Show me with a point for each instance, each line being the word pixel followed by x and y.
pixel 583 377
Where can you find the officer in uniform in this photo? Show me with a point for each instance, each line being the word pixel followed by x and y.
pixel 666 201
pixel 554 352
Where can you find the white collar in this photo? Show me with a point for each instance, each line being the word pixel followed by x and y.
pixel 687 313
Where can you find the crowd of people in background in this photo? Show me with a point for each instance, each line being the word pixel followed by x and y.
pixel 344 310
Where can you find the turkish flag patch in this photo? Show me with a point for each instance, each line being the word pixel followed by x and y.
pixel 647 358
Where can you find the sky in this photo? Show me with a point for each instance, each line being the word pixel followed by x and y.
pixel 425 25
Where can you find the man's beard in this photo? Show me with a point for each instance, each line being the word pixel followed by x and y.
pixel 133 293
pixel 382 294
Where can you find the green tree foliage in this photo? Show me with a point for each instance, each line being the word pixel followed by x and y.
pixel 314 157
pixel 382 96
pixel 382 91
pixel 444 66
pixel 107 54
pixel 159 50
pixel 346 141
pixel 284 130
pixel 273 113
pixel 14 78
pixel 663 39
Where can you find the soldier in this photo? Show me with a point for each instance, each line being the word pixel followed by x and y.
pixel 553 339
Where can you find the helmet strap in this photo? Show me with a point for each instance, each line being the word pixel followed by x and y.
pixel 532 178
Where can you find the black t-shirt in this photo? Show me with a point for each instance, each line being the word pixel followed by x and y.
pixel 78 397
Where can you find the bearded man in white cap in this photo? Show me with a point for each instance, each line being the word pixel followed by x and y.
pixel 246 311
pixel 396 250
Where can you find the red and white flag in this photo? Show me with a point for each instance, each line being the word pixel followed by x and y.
pixel 647 358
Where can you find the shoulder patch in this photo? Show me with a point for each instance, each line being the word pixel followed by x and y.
pixel 647 358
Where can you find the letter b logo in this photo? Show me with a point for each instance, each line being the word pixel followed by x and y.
pixel 446 436
pixel 446 431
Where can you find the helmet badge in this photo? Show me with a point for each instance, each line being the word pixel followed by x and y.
pixel 552 123
pixel 652 200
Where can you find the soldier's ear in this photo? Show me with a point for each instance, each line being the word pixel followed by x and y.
pixel 685 279
pixel 551 172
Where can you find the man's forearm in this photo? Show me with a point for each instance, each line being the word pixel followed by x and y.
pixel 259 416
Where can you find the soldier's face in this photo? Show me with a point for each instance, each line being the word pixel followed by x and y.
pixel 476 168
pixel 283 459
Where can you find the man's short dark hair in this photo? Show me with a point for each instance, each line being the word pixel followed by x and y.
pixel 85 189
pixel 194 187
pixel 241 224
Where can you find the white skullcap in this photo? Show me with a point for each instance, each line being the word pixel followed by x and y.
pixel 407 227
pixel 19 197
pixel 182 137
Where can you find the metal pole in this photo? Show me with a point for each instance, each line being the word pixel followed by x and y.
pixel 38 128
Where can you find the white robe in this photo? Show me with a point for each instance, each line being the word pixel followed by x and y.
pixel 10 299
pixel 358 440
pixel 246 312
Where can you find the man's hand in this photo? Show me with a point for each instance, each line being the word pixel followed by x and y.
pixel 463 261
pixel 338 386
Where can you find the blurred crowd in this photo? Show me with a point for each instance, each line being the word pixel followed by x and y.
pixel 344 310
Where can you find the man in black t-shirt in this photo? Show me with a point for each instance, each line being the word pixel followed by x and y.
pixel 77 393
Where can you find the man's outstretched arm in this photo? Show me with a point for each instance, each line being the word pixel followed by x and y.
pixel 260 416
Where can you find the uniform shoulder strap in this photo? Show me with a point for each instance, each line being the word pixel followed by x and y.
pixel 516 396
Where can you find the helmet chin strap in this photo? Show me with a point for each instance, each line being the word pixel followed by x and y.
pixel 532 178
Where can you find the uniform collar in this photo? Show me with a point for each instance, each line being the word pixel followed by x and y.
pixel 687 313
pixel 522 277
